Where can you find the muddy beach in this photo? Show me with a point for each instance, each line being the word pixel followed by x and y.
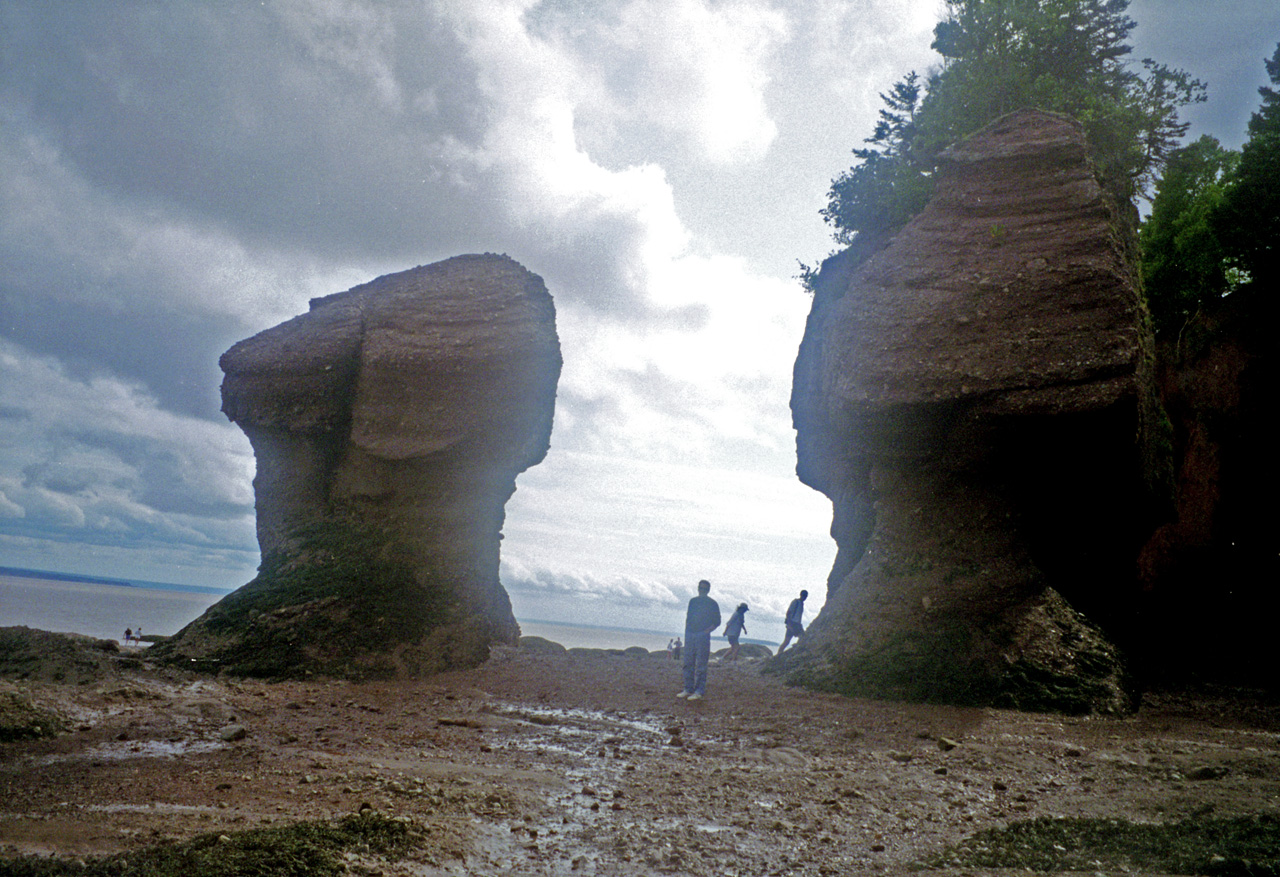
pixel 584 762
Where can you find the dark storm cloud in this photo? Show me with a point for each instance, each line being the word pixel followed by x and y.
pixel 93 462
pixel 309 131
pixel 309 136
pixel 174 353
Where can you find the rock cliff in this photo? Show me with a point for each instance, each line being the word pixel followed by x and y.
pixel 975 398
pixel 1208 573
pixel 389 424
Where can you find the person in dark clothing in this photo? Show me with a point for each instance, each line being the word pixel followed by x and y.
pixel 702 618
pixel 795 614
pixel 734 628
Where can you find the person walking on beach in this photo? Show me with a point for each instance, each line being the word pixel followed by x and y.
pixel 128 635
pixel 795 612
pixel 734 628
pixel 702 618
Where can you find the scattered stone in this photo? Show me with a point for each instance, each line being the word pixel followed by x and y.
pixel 232 733
pixel 946 744
pixel 1208 772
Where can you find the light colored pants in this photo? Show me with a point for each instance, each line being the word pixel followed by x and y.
pixel 697 651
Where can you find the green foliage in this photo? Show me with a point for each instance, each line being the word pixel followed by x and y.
pixel 1248 220
pixel 1243 845
pixel 304 849
pixel 1183 262
pixel 336 603
pixel 1215 219
pixel 919 666
pixel 1065 56
pixel 890 185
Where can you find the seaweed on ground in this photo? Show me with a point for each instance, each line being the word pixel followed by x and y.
pixel 304 849
pixel 1242 846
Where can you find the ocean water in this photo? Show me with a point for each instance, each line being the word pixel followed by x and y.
pixel 105 609
pixel 586 637
pixel 98 609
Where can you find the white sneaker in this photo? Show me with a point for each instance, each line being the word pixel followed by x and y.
pixel 695 697
pixel 682 695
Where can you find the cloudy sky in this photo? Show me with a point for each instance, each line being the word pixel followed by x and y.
pixel 176 177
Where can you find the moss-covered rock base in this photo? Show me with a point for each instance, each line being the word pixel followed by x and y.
pixel 345 602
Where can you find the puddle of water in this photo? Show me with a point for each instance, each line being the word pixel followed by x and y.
pixel 125 750
pixel 583 716
pixel 156 807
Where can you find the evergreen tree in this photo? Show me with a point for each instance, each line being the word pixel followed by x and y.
pixel 1248 221
pixel 1066 56
pixel 890 185
pixel 1183 261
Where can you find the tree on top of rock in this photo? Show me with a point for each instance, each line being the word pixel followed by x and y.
pixel 1248 220
pixel 1183 261
pixel 1066 56
pixel 1215 219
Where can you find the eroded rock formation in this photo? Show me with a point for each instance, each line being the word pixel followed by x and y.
pixel 389 424
pixel 975 399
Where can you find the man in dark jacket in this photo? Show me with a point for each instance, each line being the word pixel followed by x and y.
pixel 794 620
pixel 702 618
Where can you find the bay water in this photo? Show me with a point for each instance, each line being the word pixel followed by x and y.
pixel 104 609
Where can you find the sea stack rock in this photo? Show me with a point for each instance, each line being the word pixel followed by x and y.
pixel 975 398
pixel 389 424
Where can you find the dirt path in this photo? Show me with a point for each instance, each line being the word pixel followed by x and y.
pixel 586 764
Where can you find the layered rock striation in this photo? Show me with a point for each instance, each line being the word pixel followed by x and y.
pixel 389 424
pixel 974 397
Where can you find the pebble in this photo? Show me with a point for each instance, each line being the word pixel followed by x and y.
pixel 1207 772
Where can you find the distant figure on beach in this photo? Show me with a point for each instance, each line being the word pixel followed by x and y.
pixel 676 648
pixel 795 612
pixel 137 636
pixel 702 618
pixel 128 635
pixel 734 628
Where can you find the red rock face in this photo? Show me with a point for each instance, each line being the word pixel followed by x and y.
pixel 1209 572
pixel 391 421
pixel 969 397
